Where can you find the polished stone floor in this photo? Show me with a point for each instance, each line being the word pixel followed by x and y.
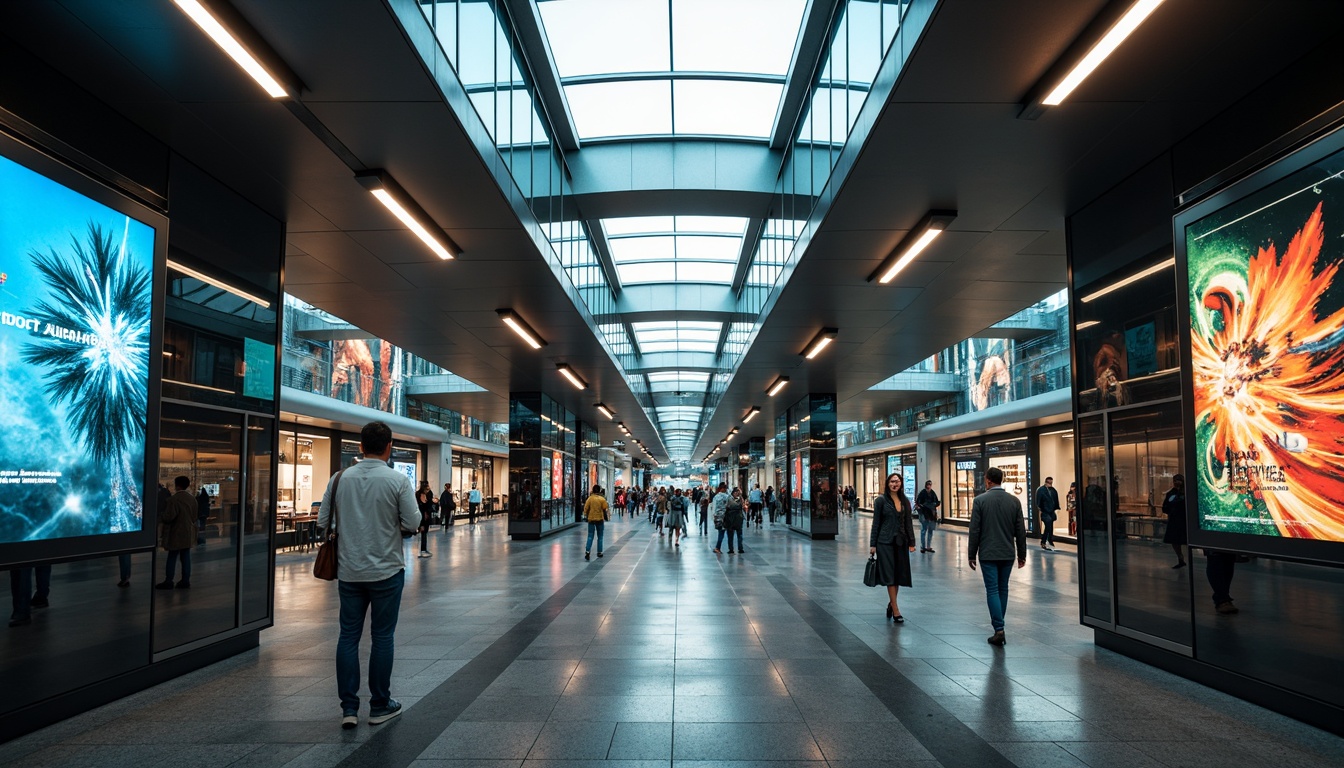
pixel 522 654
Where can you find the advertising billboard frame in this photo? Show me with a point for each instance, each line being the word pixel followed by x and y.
pixel 66 175
pixel 1234 193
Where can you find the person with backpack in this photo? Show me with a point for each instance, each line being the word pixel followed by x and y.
pixel 720 506
pixel 703 506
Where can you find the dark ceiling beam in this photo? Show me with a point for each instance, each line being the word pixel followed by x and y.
pixel 812 45
pixel 630 334
pixel 602 249
pixel 749 241
pixel 537 51
pixel 723 339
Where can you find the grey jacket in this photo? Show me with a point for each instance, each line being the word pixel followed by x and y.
pixel 890 525
pixel 996 524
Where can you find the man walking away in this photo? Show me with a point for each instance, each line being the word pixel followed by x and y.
pixel 597 513
pixel 757 501
pixel 373 505
pixel 996 526
pixel 1047 501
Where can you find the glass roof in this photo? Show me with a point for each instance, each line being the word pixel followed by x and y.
pixel 677 336
pixel 668 249
pixel 672 67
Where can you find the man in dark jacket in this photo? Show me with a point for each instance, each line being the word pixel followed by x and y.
pixel 1047 503
pixel 178 523
pixel 996 526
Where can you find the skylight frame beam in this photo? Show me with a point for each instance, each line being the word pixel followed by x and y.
pixel 813 42
pixel 751 240
pixel 597 236
pixel 526 21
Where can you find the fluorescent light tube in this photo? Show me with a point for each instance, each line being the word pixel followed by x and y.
pixel 779 384
pixel 751 414
pixel 408 212
pixel 914 243
pixel 573 377
pixel 1088 324
pixel 1117 285
pixel 819 342
pixel 204 278
pixel 521 328
pixel 606 411
pixel 232 47
pixel 1104 47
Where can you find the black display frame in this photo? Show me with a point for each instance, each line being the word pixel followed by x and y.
pixel 18 553
pixel 1282 166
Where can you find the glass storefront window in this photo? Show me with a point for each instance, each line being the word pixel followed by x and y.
pixel 1093 528
pixel 1152 596
pixel 967 470
pixel 304 469
pixel 1056 460
pixel 1011 457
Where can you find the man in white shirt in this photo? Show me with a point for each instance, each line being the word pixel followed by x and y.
pixel 374 507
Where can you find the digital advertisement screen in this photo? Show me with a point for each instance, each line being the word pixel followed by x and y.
pixel 1266 355
pixel 76 281
pixel 557 475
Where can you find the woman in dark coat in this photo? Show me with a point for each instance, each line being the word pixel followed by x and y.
pixel 1173 506
pixel 892 540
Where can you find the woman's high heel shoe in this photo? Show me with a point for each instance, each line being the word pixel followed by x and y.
pixel 888 611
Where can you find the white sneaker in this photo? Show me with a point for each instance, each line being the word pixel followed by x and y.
pixel 426 554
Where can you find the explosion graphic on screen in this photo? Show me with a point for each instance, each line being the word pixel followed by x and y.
pixel 1269 387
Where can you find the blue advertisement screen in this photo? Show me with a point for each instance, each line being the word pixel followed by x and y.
pixel 76 281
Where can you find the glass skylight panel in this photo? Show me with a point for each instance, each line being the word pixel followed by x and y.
pixel 723 225
pixel 708 248
pixel 740 36
pixel 639 225
pixel 628 249
pixel 682 377
pixel 705 272
pixel 621 108
pixel 598 37
pixel 647 272
pixel 725 108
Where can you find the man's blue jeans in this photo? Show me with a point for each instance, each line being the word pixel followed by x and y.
pixel 594 526
pixel 382 599
pixel 926 529
pixel 995 574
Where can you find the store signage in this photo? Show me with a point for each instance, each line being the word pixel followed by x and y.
pixel 968 465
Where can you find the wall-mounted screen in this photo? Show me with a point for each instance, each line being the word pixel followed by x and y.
pixel 76 322
pixel 1265 351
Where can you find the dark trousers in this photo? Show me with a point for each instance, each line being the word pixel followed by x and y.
pixel 472 508
pixel 1219 569
pixel 21 589
pixel 1048 529
pixel 173 556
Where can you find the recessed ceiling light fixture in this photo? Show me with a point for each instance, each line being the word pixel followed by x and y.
pixel 778 384
pixel 819 342
pixel 220 284
pixel 521 328
pixel 1057 90
pixel 605 411
pixel 928 228
pixel 751 414
pixel 621 426
pixel 408 212
pixel 246 56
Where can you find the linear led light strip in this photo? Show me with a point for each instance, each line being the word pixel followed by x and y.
pixel 204 278
pixel 232 47
pixel 1103 48
pixel 1171 262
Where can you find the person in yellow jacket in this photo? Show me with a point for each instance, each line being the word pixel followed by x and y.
pixel 596 511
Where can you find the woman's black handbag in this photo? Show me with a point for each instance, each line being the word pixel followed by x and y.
pixel 870 572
